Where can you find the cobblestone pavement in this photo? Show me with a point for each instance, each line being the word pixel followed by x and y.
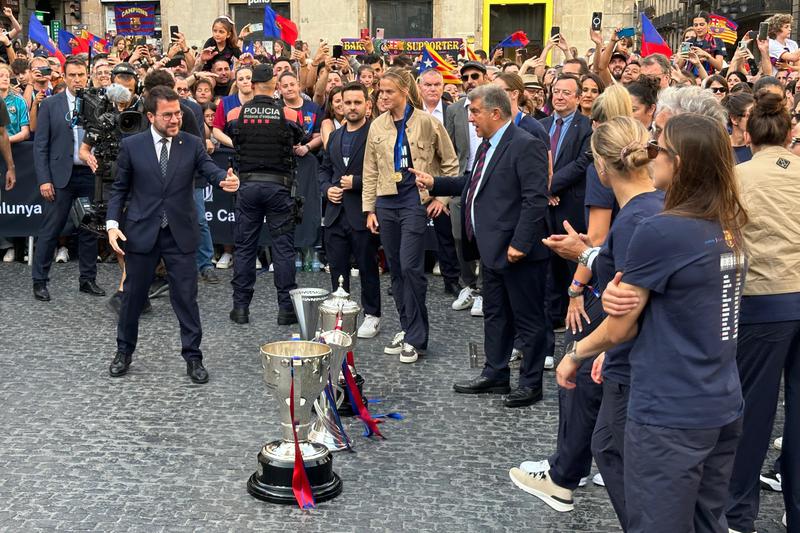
pixel 81 451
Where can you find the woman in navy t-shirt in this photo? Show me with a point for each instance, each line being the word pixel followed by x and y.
pixel 685 267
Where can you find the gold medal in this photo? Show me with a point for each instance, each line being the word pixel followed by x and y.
pixel 398 177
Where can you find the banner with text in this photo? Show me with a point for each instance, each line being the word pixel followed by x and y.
pixel 411 47
pixel 135 19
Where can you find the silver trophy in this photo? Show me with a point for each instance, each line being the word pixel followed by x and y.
pixel 327 429
pixel 306 304
pixel 304 365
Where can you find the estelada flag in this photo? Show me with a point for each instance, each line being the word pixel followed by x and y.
pixel 652 42
pixel 723 29
pixel 469 53
pixel 432 60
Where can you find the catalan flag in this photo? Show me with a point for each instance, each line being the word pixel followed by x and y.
pixel 723 29
pixel 431 59
pixel 469 53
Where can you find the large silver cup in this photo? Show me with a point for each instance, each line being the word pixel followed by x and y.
pixel 310 364
pixel 306 302
pixel 326 430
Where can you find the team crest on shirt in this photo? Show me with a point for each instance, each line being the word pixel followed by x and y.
pixel 12 110
pixel 783 163
pixel 730 240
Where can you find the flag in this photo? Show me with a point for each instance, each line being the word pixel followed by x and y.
pixel 432 60
pixel 249 48
pixel 652 42
pixel 723 29
pixel 135 19
pixel 38 33
pixel 65 42
pixel 518 39
pixel 278 27
pixel 98 45
pixel 469 54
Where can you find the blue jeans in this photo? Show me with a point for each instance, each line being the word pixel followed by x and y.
pixel 205 248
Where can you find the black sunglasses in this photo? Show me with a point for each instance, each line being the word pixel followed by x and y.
pixel 474 76
pixel 717 90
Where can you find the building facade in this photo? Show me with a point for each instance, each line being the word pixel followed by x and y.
pixel 483 23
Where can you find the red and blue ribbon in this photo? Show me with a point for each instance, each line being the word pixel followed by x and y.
pixel 300 485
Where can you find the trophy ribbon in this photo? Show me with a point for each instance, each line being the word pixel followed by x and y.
pixel 332 402
pixel 355 399
pixel 300 485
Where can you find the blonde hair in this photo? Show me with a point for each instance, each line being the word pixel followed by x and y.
pixel 405 82
pixel 614 102
pixel 621 143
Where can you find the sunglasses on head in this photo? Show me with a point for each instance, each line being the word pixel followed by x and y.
pixel 653 148
pixel 474 76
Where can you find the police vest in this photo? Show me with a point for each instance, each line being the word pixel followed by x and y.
pixel 263 138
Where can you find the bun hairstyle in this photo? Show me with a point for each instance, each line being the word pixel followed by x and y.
pixel 770 123
pixel 622 144
pixel 736 105
pixel 406 84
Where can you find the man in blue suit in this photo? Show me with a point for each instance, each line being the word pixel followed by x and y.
pixel 62 177
pixel 155 172
pixel 504 201
pixel 570 138
pixel 345 224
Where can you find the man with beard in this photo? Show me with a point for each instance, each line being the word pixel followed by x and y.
pixel 610 62
pixel 466 142
pixel 535 92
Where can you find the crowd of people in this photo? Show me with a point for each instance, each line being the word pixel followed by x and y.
pixel 645 206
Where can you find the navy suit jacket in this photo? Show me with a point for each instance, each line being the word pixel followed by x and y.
pixel 331 172
pixel 511 204
pixel 139 180
pixel 53 144
pixel 569 172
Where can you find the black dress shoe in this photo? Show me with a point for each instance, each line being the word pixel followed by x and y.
pixel 286 317
pixel 90 287
pixel 119 366
pixel 148 307
pixel 40 292
pixel 240 315
pixel 158 287
pixel 452 288
pixel 196 371
pixel 481 385
pixel 523 396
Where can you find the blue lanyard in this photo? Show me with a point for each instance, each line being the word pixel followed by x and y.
pixel 518 118
pixel 401 139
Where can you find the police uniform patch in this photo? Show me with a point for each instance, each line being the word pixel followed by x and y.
pixel 783 163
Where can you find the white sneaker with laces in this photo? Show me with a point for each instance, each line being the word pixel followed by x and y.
pixel 598 480
pixel 62 255
pixel 516 355
pixel 396 346
pixel 533 467
pixel 464 300
pixel 9 256
pixel 549 362
pixel 225 261
pixel 408 354
pixel 477 306
pixel 370 327
pixel 540 485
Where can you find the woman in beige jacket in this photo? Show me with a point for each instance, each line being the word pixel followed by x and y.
pixel 401 138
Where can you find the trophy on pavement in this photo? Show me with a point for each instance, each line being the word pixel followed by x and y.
pixel 328 429
pixel 294 469
pixel 306 302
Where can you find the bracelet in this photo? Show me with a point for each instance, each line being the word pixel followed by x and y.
pixel 578 283
pixel 586 255
pixel 572 353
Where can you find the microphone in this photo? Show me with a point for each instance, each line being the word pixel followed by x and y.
pixel 118 94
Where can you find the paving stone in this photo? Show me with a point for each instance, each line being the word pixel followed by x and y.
pixel 80 451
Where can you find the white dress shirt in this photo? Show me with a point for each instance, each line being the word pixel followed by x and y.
pixel 438 111
pixel 493 142
pixel 474 140
pixel 77 132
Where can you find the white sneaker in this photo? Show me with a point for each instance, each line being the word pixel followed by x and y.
pixel 598 480
pixel 9 256
pixel 408 354
pixel 549 362
pixel 225 261
pixel 436 270
pixel 354 272
pixel 477 306
pixel 370 327
pixel 396 346
pixel 516 355
pixel 778 444
pixel 258 263
pixel 783 520
pixel 533 467
pixel 62 255
pixel 464 300
pixel 271 267
pixel 541 486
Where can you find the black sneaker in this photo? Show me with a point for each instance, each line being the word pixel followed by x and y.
pixel 771 481
pixel 286 317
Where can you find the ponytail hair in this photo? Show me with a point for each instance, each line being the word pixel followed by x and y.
pixel 405 82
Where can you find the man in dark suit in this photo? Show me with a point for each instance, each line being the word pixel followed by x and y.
pixel 345 224
pixel 570 138
pixel 155 171
pixel 504 201
pixel 62 177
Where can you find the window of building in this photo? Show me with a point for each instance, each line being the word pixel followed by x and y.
pixel 411 18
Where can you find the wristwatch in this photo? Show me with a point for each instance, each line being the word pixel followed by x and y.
pixel 574 293
pixel 572 352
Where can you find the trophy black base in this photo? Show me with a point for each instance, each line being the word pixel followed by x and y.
pixel 273 480
pixel 347 409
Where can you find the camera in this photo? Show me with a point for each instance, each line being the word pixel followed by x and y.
pixel 96 112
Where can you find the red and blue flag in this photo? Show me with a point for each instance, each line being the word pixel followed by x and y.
pixel 652 42
pixel 278 27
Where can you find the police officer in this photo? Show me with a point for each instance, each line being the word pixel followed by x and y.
pixel 266 133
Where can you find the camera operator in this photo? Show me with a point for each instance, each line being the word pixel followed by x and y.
pixel 63 177
pixel 40 77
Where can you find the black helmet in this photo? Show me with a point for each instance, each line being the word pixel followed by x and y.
pixel 123 68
